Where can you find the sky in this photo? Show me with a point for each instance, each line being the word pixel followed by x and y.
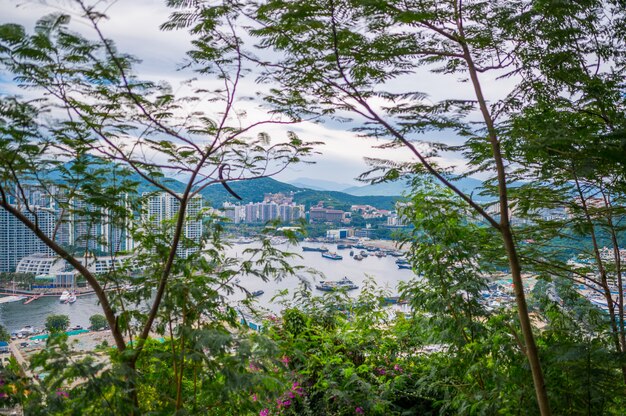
pixel 134 26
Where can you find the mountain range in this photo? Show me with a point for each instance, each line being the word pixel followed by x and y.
pixel 308 191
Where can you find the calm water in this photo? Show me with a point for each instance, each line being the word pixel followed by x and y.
pixel 384 271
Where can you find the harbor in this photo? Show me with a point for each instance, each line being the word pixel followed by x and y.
pixel 383 270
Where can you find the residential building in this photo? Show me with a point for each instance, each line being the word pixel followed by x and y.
pixel 18 241
pixel 320 214
pixel 163 206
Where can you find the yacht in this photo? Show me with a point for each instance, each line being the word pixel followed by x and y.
pixel 64 296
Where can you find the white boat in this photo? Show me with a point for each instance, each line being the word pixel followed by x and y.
pixel 71 298
pixel 64 296
pixel 27 330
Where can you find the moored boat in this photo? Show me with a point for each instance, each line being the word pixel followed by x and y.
pixel 404 266
pixel 64 296
pixel 332 285
pixel 332 256
pixel 322 249
pixel 358 257
pixel 257 293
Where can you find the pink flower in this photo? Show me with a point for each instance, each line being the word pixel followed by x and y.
pixel 285 360
pixel 253 367
pixel 397 368
pixel 264 412
pixel 287 403
pixel 359 410
pixel 61 393
pixel 254 397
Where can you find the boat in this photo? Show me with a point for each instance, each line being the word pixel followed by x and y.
pixel 380 254
pixel 71 298
pixel 394 300
pixel 257 293
pixel 276 241
pixel 404 266
pixel 343 246
pixel 244 240
pixel 359 246
pixel 358 257
pixel 402 261
pixel 332 256
pixel 332 285
pixel 396 253
pixel 27 330
pixel 322 249
pixel 64 296
pixel 364 253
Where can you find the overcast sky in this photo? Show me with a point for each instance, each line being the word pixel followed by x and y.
pixel 134 26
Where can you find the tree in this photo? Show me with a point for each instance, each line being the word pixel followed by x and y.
pixel 99 159
pixel 4 334
pixel 97 322
pixel 57 323
pixel 337 58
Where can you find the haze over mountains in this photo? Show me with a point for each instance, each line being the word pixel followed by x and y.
pixel 397 188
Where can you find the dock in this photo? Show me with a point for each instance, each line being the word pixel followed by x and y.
pixel 33 298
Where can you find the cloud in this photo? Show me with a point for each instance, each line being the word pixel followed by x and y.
pixel 134 26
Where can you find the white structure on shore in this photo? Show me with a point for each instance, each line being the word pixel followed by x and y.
pixel 59 272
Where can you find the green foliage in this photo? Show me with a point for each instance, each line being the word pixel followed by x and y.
pixel 57 323
pixel 4 334
pixel 97 322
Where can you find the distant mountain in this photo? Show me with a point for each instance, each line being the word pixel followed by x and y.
pixel 341 200
pixel 249 190
pixel 254 190
pixel 467 185
pixel 318 184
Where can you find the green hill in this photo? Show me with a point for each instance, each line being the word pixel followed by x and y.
pixel 250 191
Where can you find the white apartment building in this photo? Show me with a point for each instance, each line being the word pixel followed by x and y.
pixel 162 206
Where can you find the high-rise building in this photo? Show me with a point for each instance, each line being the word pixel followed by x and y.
pixel 99 229
pixel 260 212
pixel 162 206
pixel 18 241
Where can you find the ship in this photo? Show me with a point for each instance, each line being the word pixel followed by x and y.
pixel 332 285
pixel 343 246
pixel 404 266
pixel 402 261
pixel 358 257
pixel 332 256
pixel 322 249
pixel 257 293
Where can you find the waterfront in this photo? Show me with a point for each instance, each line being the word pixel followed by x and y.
pixel 383 270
